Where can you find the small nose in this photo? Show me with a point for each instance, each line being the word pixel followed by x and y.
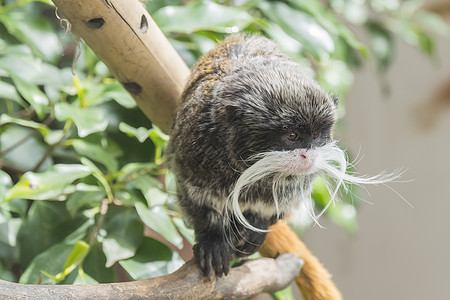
pixel 303 155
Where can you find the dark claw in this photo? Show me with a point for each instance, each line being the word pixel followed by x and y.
pixel 200 256
pixel 218 265
pixel 213 257
pixel 226 265
pixel 208 267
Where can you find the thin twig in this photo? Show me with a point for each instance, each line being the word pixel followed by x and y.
pixel 52 147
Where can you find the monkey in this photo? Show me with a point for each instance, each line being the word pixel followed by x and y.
pixel 251 134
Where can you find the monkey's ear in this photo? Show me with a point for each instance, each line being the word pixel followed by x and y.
pixel 335 100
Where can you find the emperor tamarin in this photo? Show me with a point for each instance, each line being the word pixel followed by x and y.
pixel 251 133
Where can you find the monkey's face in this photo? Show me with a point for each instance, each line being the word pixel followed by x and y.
pixel 273 106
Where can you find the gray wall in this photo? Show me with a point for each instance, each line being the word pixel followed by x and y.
pixel 400 252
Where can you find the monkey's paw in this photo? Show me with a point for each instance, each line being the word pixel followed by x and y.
pixel 213 256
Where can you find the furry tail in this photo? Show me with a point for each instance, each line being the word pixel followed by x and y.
pixel 314 281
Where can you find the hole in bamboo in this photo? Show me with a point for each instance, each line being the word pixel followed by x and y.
pixel 144 24
pixel 132 87
pixel 95 23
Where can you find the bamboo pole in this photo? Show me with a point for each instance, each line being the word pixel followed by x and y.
pixel 124 36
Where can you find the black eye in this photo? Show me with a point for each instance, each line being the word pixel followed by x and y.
pixel 292 136
pixel 316 135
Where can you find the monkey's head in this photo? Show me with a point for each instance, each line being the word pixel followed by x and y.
pixel 279 125
pixel 271 105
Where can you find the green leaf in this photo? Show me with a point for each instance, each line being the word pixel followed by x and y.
pixel 123 236
pixel 85 195
pixel 33 30
pixel 286 42
pixel 126 198
pixel 320 193
pixel 341 213
pixel 9 230
pixel 51 261
pixel 202 15
pixel 77 255
pixel 319 12
pixel 40 229
pixel 152 259
pixel 382 44
pixel 95 153
pixel 186 51
pixel 117 92
pixel 87 119
pixel 301 26
pixel 140 133
pixel 37 99
pixel 425 42
pixel 157 219
pixel 5 119
pixel 153 6
pixel 83 278
pixel 47 185
pixel 188 233
pixel 18 206
pixel 335 76
pixel 132 169
pixel 29 69
pixel 414 34
pixel 5 184
pixel 327 19
pixel 94 266
pixel 150 188
pixel 22 140
pixel 75 228
pixel 9 92
pixel 74 259
pixel 100 177
pixel 55 137
pixel 432 22
pixel 6 274
pixel 158 137
pixel 344 215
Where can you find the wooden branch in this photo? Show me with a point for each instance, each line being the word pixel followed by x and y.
pixel 252 278
pixel 124 36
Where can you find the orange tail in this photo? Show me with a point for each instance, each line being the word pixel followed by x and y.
pixel 314 281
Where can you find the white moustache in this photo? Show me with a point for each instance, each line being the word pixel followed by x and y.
pixel 292 173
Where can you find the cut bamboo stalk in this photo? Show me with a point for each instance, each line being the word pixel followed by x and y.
pixel 124 36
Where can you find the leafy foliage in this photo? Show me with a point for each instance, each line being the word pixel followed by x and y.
pixel 82 169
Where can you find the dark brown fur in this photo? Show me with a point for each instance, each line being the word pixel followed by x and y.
pixel 243 98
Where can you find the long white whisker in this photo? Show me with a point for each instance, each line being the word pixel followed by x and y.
pixel 281 170
pixel 398 194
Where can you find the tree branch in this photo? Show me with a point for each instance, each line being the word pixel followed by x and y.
pixel 252 278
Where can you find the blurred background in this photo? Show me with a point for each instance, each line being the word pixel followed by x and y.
pixel 399 252
pixel 86 197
